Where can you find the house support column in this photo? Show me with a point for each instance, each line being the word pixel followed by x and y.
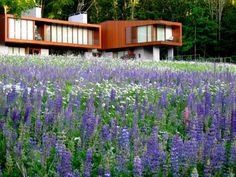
pixel 171 53
pixel 156 53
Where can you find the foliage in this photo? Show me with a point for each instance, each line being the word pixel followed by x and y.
pixel 67 116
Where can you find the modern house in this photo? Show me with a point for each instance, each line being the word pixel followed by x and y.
pixel 31 34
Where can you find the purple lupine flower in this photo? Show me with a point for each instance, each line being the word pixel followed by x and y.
pixel 68 114
pixel 18 149
pixel 39 102
pixel 208 103
pixel 46 144
pixel 113 129
pixel 233 124
pixel 191 151
pixel 153 154
pixel 1 125
pixel 100 171
pixel 38 125
pixel 107 172
pixel 176 154
pixel 124 140
pixel 50 104
pixel 138 168
pixel 106 136
pixel 113 95
pixel 49 119
pixel 208 169
pixel 32 92
pixel 25 96
pixel 27 114
pixel 12 96
pixel 233 153
pixel 58 104
pixel 64 165
pixel 89 120
pixel 88 163
pixel 124 150
pixel 210 141
pixel 15 118
pixel 218 158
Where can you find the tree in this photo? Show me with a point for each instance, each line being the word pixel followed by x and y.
pixel 16 6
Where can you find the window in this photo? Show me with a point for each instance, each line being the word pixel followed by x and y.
pixel 142 34
pixel 80 36
pixel 11 28
pixel 54 33
pixel 48 33
pixel 65 34
pixel 160 33
pixel 30 29
pixel 169 33
pixel 75 35
pixel 149 33
pixel 20 29
pixel 70 35
pixel 59 33
pixel 24 29
pixel 90 37
pixel 17 29
pixel 85 36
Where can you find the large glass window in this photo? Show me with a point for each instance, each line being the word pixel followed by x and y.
pixel 75 35
pixel 17 29
pixel 70 35
pixel 48 33
pixel 160 33
pixel 65 32
pixel 20 29
pixel 30 28
pixel 142 34
pixel 59 33
pixel 85 36
pixel 24 29
pixel 11 28
pixel 149 33
pixel 169 33
pixel 54 33
pixel 90 37
pixel 80 36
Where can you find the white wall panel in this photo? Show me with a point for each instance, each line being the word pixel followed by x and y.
pixel 17 29
pixel 54 33
pixel 30 30
pixel 169 33
pixel 65 31
pixel 59 33
pixel 85 36
pixel 23 29
pixel 75 35
pixel 80 36
pixel 11 28
pixel 70 36
pixel 160 33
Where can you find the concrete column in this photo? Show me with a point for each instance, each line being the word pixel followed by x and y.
pixel 156 53
pixel 171 53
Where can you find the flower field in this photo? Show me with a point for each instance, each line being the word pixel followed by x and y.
pixel 70 117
